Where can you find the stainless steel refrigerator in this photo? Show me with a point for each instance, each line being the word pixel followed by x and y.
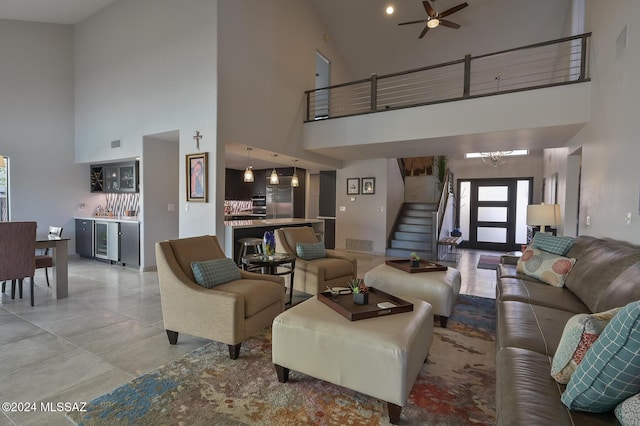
pixel 280 199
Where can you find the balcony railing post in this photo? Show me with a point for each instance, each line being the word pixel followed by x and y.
pixel 467 76
pixel 308 105
pixel 583 58
pixel 374 92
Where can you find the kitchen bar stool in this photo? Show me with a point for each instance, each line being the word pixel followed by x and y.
pixel 245 243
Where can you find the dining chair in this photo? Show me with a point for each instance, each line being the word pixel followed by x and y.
pixel 44 259
pixel 17 254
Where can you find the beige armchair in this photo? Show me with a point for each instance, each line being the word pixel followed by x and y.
pixel 227 313
pixel 313 276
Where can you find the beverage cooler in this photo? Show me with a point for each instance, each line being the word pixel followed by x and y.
pixel 106 244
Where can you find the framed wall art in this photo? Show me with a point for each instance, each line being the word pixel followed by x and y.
pixel 353 186
pixel 369 185
pixel 197 177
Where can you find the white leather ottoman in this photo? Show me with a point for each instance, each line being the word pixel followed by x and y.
pixel 440 288
pixel 379 357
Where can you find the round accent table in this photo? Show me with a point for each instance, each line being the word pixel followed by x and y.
pixel 278 264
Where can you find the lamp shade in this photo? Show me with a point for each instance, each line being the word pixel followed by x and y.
pixel 543 215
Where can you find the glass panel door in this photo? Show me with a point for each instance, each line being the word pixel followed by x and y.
pixel 493 212
pixel 4 189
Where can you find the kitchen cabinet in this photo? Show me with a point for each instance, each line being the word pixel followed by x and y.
pixel 84 237
pixel 129 244
pixel 115 177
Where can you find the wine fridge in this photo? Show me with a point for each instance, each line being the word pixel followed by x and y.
pixel 106 244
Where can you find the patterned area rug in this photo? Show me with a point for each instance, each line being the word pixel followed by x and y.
pixel 488 262
pixel 455 387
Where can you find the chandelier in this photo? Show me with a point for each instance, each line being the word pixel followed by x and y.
pixel 494 158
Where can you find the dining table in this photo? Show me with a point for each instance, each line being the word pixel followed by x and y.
pixel 59 245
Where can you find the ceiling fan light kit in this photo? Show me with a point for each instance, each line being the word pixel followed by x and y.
pixel 434 19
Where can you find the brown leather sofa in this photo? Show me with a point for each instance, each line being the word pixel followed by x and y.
pixel 531 316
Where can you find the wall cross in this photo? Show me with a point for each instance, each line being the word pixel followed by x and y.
pixel 197 138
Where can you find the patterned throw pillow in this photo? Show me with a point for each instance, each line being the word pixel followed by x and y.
pixel 211 273
pixel 552 244
pixel 310 251
pixel 610 371
pixel 545 266
pixel 628 411
pixel 580 332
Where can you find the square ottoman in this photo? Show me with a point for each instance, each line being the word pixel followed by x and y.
pixel 380 357
pixel 440 289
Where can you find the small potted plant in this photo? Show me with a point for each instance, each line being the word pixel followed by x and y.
pixel 414 260
pixel 360 291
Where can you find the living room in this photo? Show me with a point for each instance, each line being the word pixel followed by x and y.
pixel 133 70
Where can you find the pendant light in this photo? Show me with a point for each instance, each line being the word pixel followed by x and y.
pixel 274 179
pixel 248 173
pixel 295 182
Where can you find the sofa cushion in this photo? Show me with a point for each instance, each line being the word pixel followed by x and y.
pixel 539 293
pixel 623 289
pixel 195 249
pixel 335 268
pixel 552 244
pixel 211 273
pixel 610 371
pixel 599 263
pixel 257 294
pixel 527 395
pixel 310 251
pixel 548 267
pixel 628 411
pixel 580 333
pixel 532 327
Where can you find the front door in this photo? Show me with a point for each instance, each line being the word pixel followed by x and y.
pixel 493 212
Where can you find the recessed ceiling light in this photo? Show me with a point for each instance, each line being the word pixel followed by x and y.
pixel 389 10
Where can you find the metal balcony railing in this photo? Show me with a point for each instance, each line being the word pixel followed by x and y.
pixel 552 63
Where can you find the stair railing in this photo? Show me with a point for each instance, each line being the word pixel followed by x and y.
pixel 438 215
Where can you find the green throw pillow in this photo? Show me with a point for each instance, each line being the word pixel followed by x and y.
pixel 211 273
pixel 610 371
pixel 310 251
pixel 552 244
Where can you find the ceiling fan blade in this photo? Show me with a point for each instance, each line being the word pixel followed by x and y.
pixel 413 22
pixel 424 31
pixel 449 24
pixel 454 9
pixel 427 7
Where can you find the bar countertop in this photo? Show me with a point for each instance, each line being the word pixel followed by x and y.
pixel 261 223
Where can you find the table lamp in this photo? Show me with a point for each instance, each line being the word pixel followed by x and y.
pixel 543 215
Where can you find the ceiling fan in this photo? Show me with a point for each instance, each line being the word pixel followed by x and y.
pixel 434 19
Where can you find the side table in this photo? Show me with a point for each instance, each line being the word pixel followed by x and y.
pixel 270 265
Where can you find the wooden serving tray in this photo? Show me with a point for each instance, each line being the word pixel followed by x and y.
pixel 425 266
pixel 344 305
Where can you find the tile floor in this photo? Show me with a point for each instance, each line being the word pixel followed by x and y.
pixel 107 332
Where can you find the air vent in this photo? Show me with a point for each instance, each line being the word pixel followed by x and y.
pixel 115 144
pixel 359 245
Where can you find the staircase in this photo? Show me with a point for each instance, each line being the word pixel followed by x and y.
pixel 413 231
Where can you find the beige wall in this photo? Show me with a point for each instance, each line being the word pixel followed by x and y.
pixel 610 185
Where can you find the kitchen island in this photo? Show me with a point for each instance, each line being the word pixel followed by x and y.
pixel 235 229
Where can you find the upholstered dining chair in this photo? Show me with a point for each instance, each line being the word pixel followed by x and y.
pixel 316 268
pixel 44 259
pixel 17 254
pixel 233 306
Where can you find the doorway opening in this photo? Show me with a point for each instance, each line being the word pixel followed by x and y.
pixel 492 212
pixel 323 69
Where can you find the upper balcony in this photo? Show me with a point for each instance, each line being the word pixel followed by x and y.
pixel 523 96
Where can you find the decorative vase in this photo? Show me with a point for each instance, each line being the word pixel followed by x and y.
pixel 361 298
pixel 414 263
pixel 269 243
